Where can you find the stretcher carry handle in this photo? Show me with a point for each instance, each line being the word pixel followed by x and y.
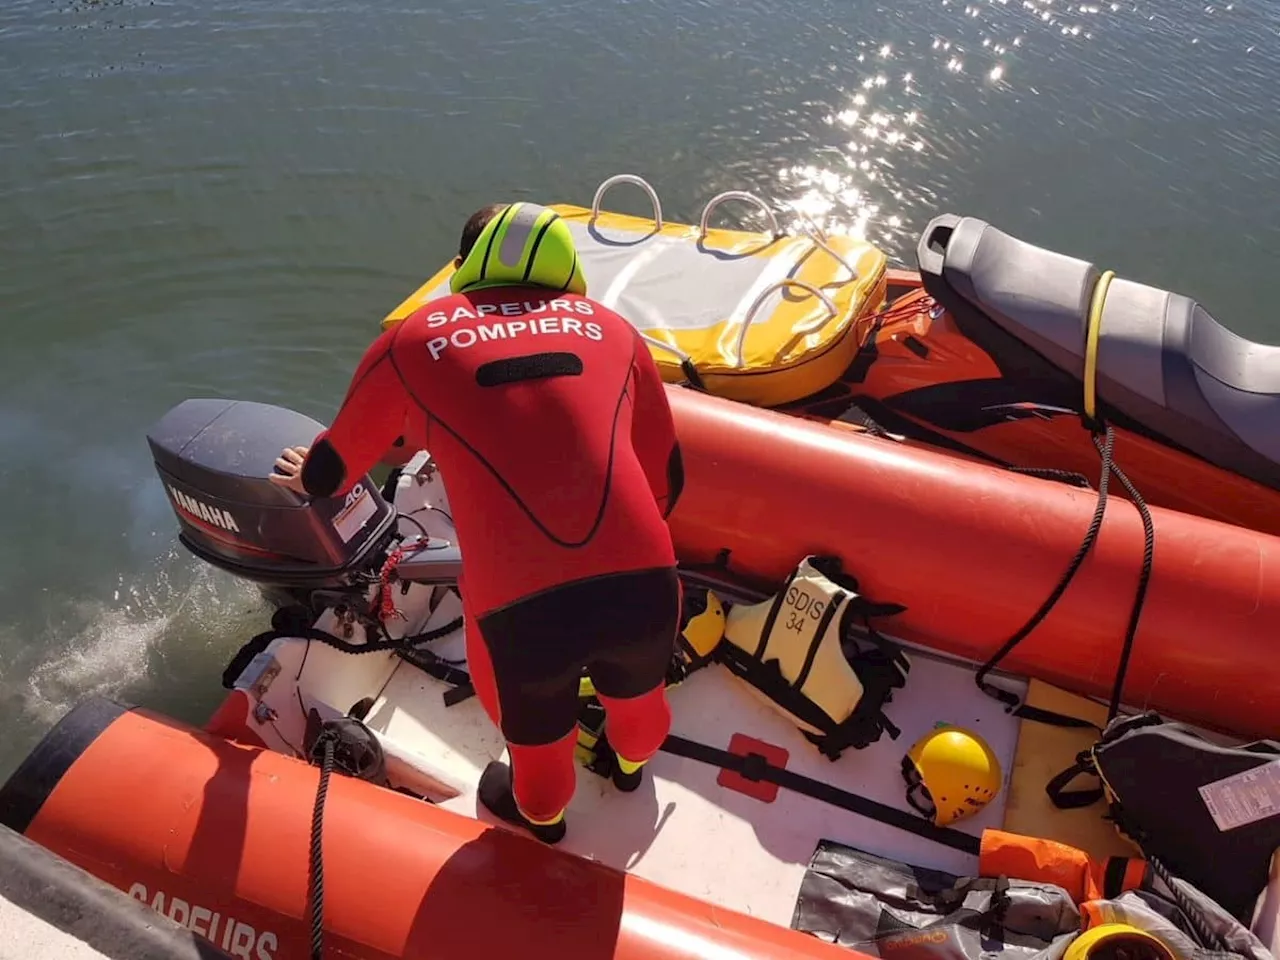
pixel 640 182
pixel 720 198
pixel 801 331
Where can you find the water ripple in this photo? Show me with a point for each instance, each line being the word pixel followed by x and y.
pixel 912 131
pixel 223 199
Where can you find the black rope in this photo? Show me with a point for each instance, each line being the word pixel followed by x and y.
pixel 1106 451
pixel 1050 473
pixel 317 858
pixel 1095 525
pixel 1144 578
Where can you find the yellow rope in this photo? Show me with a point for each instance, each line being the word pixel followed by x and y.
pixel 1091 344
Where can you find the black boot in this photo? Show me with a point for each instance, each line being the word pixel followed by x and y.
pixel 495 793
pixel 626 782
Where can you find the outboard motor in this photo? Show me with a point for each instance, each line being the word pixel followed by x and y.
pixel 214 458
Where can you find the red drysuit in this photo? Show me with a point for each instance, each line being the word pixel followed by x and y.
pixel 549 421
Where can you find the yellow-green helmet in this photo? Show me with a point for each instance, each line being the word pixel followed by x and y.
pixel 524 244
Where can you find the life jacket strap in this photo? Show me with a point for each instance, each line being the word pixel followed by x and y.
pixel 880 674
pixel 1065 799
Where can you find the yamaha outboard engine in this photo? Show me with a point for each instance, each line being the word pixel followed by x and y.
pixel 214 458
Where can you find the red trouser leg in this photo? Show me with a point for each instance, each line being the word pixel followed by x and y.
pixel 637 726
pixel 543 777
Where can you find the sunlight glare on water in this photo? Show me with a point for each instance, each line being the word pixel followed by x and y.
pixel 899 119
pixel 897 142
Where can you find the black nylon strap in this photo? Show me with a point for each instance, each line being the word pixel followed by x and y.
pixel 832 568
pixel 832 605
pixel 768 679
pixel 856 415
pixel 1113 877
pixel 756 767
pixel 773 615
pixel 1050 717
pixel 1066 799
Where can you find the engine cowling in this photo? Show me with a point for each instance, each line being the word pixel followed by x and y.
pixel 214 458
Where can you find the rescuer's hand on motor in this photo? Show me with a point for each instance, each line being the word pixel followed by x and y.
pixel 289 465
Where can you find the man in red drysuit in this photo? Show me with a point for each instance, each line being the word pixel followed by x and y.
pixel 547 416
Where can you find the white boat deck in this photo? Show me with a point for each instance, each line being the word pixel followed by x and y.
pixel 682 829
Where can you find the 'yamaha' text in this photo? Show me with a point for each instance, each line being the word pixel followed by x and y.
pixel 202 511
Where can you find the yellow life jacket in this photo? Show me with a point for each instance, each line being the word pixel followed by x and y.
pixel 802 651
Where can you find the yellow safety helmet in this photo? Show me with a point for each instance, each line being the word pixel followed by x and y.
pixel 955 770
pixel 704 622
pixel 524 244
pixel 1103 939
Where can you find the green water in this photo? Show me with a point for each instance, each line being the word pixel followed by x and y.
pixel 223 198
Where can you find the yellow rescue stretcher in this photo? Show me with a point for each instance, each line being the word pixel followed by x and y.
pixel 762 318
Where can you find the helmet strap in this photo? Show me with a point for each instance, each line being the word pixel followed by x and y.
pixel 917 793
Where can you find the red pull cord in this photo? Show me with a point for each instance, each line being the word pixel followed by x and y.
pixel 385 603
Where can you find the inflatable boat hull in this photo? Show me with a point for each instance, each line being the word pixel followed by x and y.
pixel 920 375
pixel 216 835
pixel 979 351
pixel 974 550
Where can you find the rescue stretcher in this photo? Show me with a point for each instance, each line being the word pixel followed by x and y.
pixel 765 318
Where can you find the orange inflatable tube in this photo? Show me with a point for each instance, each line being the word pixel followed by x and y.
pixel 973 550
pixel 216 835
pixel 917 350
